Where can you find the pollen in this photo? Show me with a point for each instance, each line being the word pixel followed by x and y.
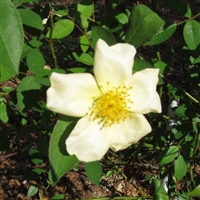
pixel 112 106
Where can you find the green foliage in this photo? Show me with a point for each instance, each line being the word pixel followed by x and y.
pixel 9 56
pixel 31 18
pixel 104 34
pixel 195 192
pixel 164 33
pixel 191 34
pixel 32 190
pixel 61 29
pixel 94 171
pixel 60 160
pixel 168 155
pixel 148 23
pixel 31 48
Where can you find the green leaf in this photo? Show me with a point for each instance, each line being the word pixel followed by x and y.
pixel 35 61
pixel 35 43
pixel 83 22
pixel 168 155
pixel 160 193
pixel 140 65
pixel 27 93
pixel 4 142
pixel 191 32
pixel 32 190
pixel 84 58
pixel 180 168
pixel 61 13
pixel 86 8
pixel 161 66
pixel 120 17
pixel 99 32
pixel 165 32
pixel 94 171
pixel 11 40
pixel 60 160
pixel 57 197
pixel 7 89
pixel 143 25
pixel 187 150
pixel 84 43
pixel 62 28
pixel 180 111
pixel 195 192
pixel 35 156
pixel 76 70
pixel 33 174
pixel 179 7
pixel 31 18
pixel 5 72
pixel 3 112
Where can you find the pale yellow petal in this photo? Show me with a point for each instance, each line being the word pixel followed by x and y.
pixel 143 94
pixel 88 141
pixel 71 94
pixel 113 64
pixel 129 132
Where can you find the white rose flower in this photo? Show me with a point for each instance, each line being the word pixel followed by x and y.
pixel 111 103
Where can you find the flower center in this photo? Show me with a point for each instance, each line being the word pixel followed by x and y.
pixel 112 106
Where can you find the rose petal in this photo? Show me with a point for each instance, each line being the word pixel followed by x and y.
pixel 143 94
pixel 88 141
pixel 113 64
pixel 71 94
pixel 129 132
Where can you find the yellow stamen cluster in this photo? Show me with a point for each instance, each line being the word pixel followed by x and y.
pixel 112 106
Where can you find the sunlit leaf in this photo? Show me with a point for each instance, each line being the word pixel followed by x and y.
pixel 195 192
pixel 31 18
pixel 60 160
pixel 35 61
pixel 143 25
pixel 86 8
pixel 58 197
pixel 3 112
pixel 32 190
pixel 165 32
pixel 94 171
pixel 84 43
pixel 11 40
pixel 159 191
pixel 180 168
pixel 85 58
pixel 168 155
pixel 191 32
pixel 61 29
pixel 121 17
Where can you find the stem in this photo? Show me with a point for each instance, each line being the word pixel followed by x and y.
pixel 50 39
pixel 188 19
pixel 191 97
pixel 80 30
pixel 197 144
pixel 186 93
